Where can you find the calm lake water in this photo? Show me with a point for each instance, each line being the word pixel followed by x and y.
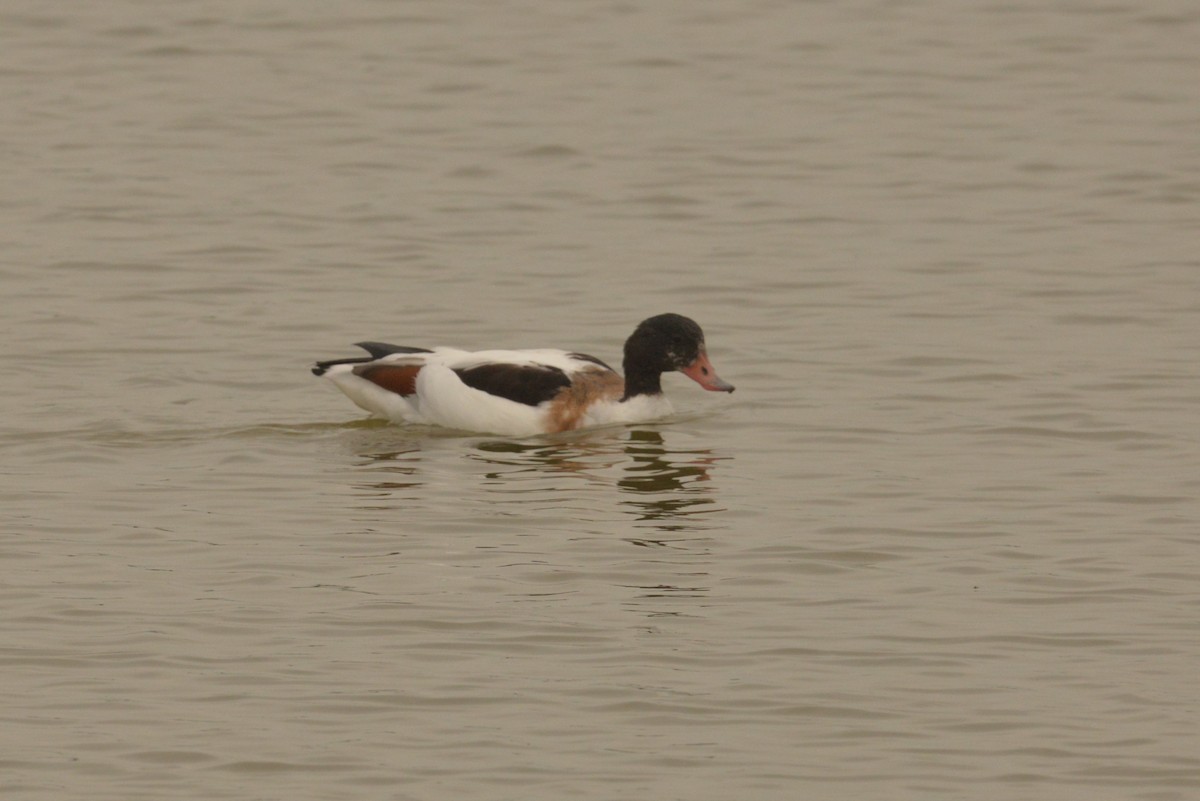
pixel 944 541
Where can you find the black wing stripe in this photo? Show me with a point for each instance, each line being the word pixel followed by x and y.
pixel 322 367
pixel 380 349
pixel 377 350
pixel 523 383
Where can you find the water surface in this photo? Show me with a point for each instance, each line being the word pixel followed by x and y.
pixel 942 542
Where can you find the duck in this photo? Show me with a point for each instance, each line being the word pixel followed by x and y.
pixel 525 392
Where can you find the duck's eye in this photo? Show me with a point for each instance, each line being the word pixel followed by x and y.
pixel 704 371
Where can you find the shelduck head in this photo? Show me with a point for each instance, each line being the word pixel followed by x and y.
pixel 664 343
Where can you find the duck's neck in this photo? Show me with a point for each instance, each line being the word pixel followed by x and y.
pixel 641 382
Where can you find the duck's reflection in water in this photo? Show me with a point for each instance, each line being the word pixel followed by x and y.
pixel 671 495
pixel 668 491
pixel 666 497
pixel 390 469
pixel 555 507
pixel 671 489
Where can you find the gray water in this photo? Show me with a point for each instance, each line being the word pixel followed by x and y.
pixel 942 542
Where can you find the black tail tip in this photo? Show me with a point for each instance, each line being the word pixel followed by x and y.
pixel 318 370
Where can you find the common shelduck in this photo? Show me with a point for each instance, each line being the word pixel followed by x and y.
pixel 525 392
